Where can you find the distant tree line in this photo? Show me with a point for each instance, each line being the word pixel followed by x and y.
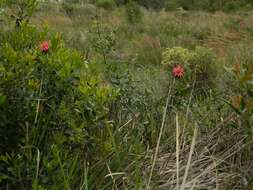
pixel 210 5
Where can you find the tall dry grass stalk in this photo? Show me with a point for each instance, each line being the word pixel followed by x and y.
pixel 177 150
pixel 190 157
pixel 160 134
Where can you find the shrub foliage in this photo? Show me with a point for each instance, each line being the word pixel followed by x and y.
pixel 51 100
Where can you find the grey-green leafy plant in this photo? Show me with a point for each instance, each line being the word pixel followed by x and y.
pixel 102 38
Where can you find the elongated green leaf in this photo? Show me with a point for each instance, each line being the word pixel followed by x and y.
pixel 2 99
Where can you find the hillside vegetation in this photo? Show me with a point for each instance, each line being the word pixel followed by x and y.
pixel 126 95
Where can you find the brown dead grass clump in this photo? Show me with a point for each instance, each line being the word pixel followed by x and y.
pixel 214 159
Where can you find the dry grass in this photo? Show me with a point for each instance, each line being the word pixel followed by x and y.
pixel 211 161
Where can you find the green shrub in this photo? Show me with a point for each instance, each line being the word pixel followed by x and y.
pixel 176 55
pixel 242 98
pixel 231 6
pixel 21 10
pixel 186 4
pixel 68 9
pixel 204 63
pixel 133 11
pixel 172 5
pixel 199 65
pixel 47 96
pixel 121 2
pixel 102 39
pixel 106 4
pixel 153 4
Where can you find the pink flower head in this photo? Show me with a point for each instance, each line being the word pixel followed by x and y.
pixel 44 46
pixel 178 71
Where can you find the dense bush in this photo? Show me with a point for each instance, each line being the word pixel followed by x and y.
pixel 106 4
pixel 172 5
pixel 49 95
pixel 133 12
pixel 68 9
pixel 198 64
pixel 154 4
pixel 242 100
pixel 208 5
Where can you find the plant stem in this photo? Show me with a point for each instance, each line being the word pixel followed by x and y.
pixel 160 134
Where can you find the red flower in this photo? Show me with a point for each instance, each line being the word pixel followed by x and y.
pixel 178 71
pixel 44 46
